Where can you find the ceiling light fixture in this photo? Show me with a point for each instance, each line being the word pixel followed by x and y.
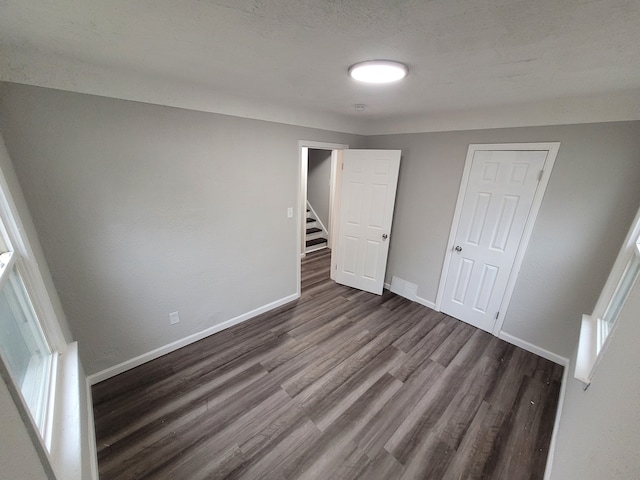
pixel 378 71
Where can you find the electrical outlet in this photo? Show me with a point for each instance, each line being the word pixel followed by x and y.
pixel 174 318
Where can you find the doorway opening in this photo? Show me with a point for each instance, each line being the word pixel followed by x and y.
pixel 317 198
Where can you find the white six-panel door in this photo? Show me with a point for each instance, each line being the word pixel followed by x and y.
pixel 496 208
pixel 368 192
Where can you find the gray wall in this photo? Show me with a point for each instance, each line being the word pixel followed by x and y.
pixel 318 180
pixel 590 201
pixel 143 210
pixel 599 429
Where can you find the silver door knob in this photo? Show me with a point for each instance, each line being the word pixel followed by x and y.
pixel 384 236
pixel 458 248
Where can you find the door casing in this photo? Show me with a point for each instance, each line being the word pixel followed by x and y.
pixel 552 148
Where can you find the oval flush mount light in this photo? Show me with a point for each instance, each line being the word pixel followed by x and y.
pixel 378 71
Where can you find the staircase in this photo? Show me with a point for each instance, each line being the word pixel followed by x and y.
pixel 315 238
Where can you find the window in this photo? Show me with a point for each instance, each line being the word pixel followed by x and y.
pixel 41 370
pixel 620 295
pixel 24 349
pixel 597 328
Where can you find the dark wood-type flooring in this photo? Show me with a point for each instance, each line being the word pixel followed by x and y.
pixel 339 384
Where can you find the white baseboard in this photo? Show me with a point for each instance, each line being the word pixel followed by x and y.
pixel 158 352
pixel 425 302
pixel 408 291
pixel 556 423
pixel 530 347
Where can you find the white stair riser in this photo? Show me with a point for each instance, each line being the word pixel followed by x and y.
pixel 315 247
pixel 311 236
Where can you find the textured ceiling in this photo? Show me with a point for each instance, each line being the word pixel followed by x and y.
pixel 287 60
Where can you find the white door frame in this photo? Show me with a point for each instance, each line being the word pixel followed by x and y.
pixel 303 170
pixel 552 148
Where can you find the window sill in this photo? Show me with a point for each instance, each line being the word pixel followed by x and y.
pixel 587 349
pixel 65 439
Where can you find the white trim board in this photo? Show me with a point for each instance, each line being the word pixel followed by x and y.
pixel 530 347
pixel 426 303
pixel 413 298
pixel 173 346
pixel 556 423
pixel 91 428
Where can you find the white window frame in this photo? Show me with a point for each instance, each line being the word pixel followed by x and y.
pixel 9 262
pixel 596 333
pixel 58 444
pixel 12 231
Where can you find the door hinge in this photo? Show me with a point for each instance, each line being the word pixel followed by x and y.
pixel 497 314
pixel 335 267
pixel 540 175
pixel 342 166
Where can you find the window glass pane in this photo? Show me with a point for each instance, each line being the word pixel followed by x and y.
pixel 24 348
pixel 619 297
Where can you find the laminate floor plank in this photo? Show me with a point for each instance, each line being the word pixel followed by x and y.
pixel 508 462
pixel 315 370
pixel 477 444
pixel 342 372
pixel 383 466
pixel 423 350
pixel 207 374
pixel 287 451
pixel 331 406
pixel 448 350
pixel 308 313
pixel 432 456
pixel 426 322
pixel 205 397
pixel 383 425
pixel 419 424
pixel 166 440
pixel 338 384
pixel 351 467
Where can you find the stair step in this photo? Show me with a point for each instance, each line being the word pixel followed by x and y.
pixel 309 220
pixel 313 230
pixel 315 242
pixel 312 236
